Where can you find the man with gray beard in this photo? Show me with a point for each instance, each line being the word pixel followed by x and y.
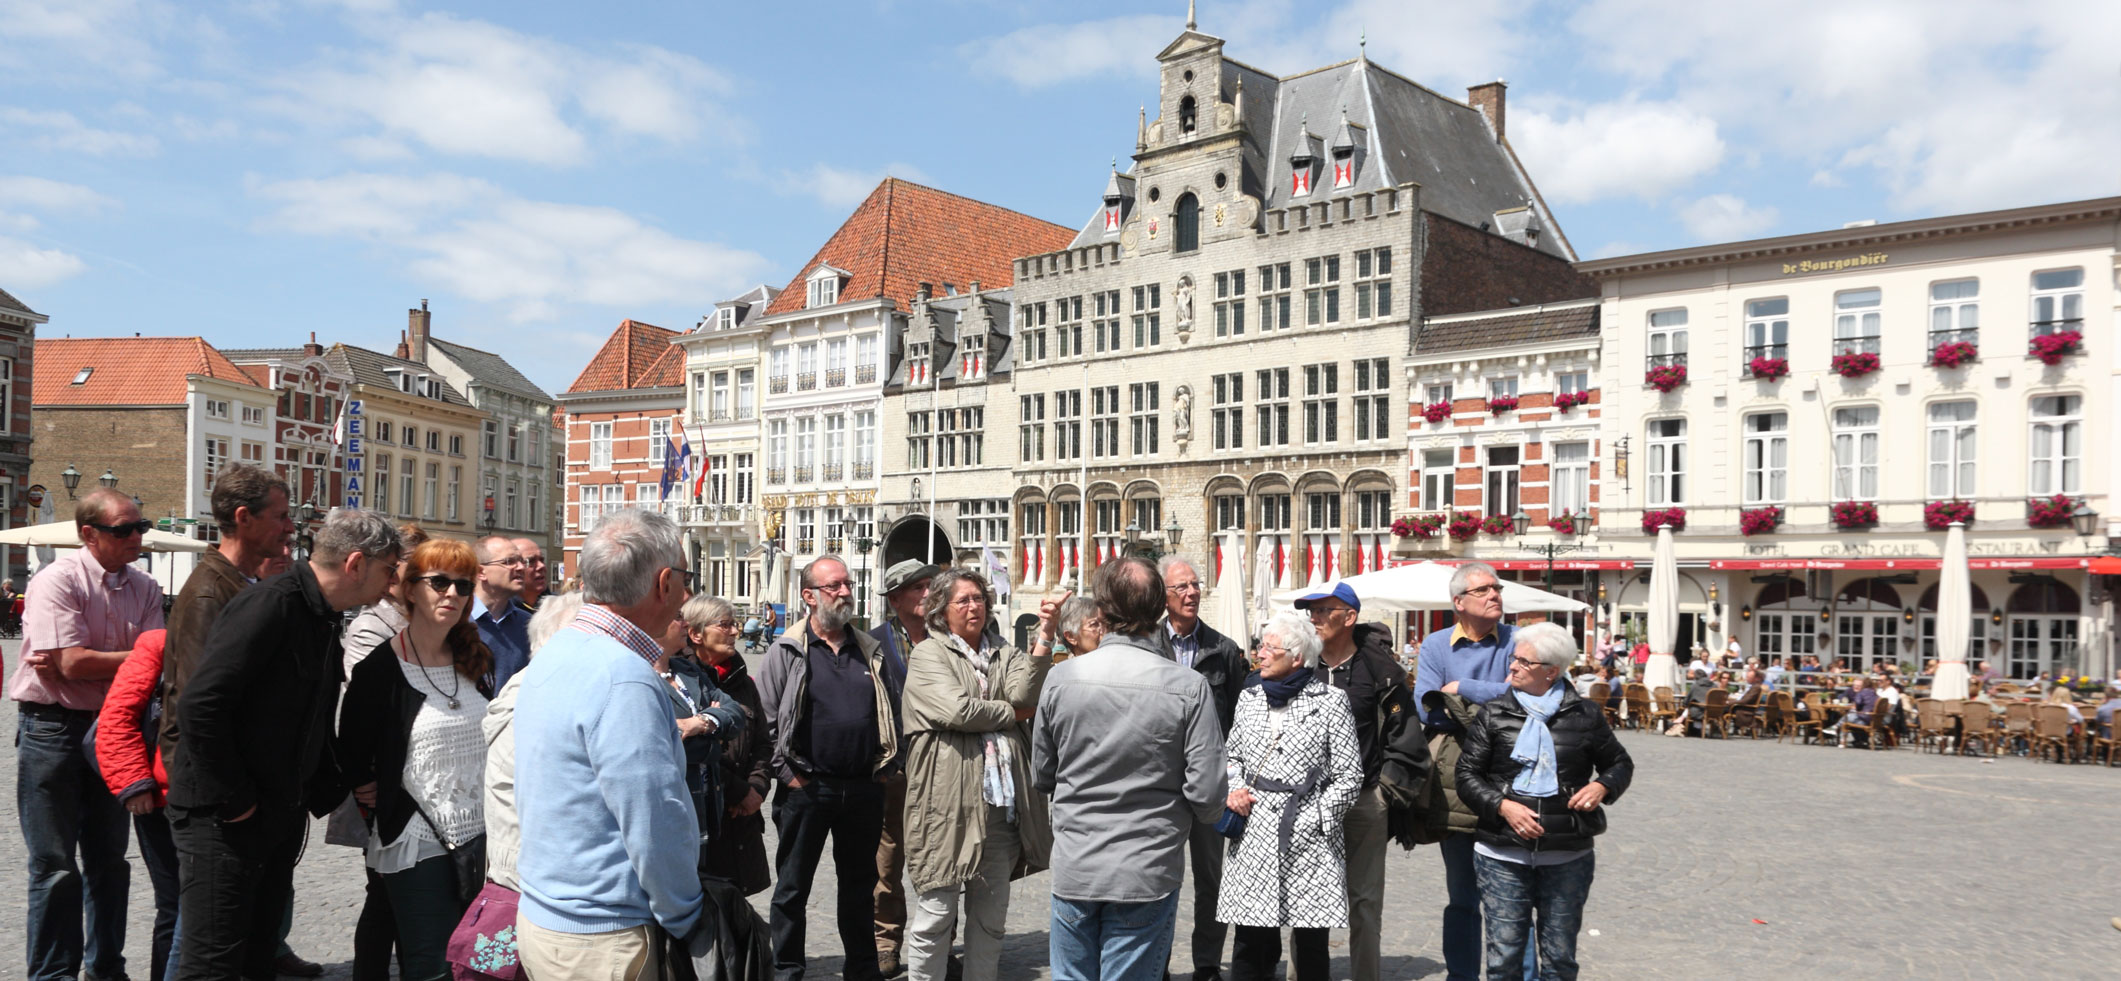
pixel 828 709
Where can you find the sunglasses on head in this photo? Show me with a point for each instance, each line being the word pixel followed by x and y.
pixel 139 527
pixel 443 584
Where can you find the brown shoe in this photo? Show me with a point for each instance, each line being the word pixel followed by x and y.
pixel 292 965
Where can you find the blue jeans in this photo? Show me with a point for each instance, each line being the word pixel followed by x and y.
pixel 1461 913
pixel 158 851
pixel 1098 941
pixel 65 808
pixel 1510 893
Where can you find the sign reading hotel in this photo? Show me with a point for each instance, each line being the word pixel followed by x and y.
pixel 353 453
pixel 1833 265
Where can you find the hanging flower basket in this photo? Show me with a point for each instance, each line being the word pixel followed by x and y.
pixel 2049 512
pixel 1666 377
pixel 1769 369
pixel 1563 523
pixel 1422 526
pixel 1759 521
pixel 1855 364
pixel 1464 525
pixel 1673 518
pixel 1436 411
pixel 1502 403
pixel 1495 524
pixel 1569 400
pixel 1855 514
pixel 1954 354
pixel 2052 348
pixel 1939 515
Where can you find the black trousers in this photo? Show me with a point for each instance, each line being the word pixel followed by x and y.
pixel 158 851
pixel 424 901
pixel 375 933
pixel 1256 952
pixel 234 880
pixel 851 813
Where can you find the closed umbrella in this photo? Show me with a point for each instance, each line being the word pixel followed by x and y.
pixel 1663 668
pixel 1955 615
pixel 1262 583
pixel 1230 612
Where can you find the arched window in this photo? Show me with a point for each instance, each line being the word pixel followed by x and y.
pixel 2044 596
pixel 1188 118
pixel 1188 222
pixel 1880 594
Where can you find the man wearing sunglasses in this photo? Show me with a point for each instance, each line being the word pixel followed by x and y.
pixel 503 623
pixel 80 620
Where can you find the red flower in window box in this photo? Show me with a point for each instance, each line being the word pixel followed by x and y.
pixel 1855 514
pixel 1759 521
pixel 1673 518
pixel 1855 364
pixel 1954 354
pixel 2052 348
pixel 1939 515
pixel 1769 369
pixel 1464 525
pixel 1666 377
pixel 1569 400
pixel 1502 403
pixel 1436 411
pixel 1563 523
pixel 2049 512
pixel 1421 526
pixel 1495 524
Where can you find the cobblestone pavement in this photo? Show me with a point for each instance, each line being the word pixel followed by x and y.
pixel 1837 851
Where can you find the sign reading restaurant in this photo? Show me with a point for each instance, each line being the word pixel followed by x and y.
pixel 1834 265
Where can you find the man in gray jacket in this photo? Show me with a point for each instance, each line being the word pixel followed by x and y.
pixel 1128 745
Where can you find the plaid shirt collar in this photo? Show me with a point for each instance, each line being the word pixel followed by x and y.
pixel 599 620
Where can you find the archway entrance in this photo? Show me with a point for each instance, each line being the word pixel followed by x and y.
pixel 916 537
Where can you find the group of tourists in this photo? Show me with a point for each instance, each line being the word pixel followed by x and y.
pixel 576 784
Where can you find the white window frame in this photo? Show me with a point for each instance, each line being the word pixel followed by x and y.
pixel 658 440
pixel 1767 328
pixel 1571 479
pixel 1667 341
pixel 1951 449
pixel 2052 466
pixel 1765 457
pixel 1955 312
pixel 1501 480
pixel 823 289
pixel 2059 306
pixel 1439 480
pixel 1857 447
pixel 1667 453
pixel 600 445
pixel 1321 403
pixel 1859 320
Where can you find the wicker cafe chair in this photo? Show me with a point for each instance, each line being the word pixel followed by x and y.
pixel 2051 729
pixel 2018 726
pixel 1716 713
pixel 1667 707
pixel 1778 715
pixel 1638 698
pixel 1879 729
pixel 1977 722
pixel 1746 713
pixel 1930 723
pixel 1814 721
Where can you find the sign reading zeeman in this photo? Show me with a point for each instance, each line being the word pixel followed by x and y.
pixel 353 453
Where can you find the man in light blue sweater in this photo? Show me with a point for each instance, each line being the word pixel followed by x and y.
pixel 610 842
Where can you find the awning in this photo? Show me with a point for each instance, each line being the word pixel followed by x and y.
pixel 1535 565
pixel 1914 565
pixel 2106 566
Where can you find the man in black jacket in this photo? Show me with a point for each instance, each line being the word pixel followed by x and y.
pixel 1221 661
pixel 256 718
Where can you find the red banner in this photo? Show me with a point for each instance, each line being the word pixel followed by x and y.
pixel 1529 565
pixel 1905 565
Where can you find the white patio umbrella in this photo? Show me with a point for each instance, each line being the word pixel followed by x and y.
pixel 1663 668
pixel 1955 614
pixel 1427 586
pixel 1230 613
pixel 63 534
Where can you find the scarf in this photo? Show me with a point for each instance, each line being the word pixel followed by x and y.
pixel 1535 745
pixel 1280 690
pixel 998 788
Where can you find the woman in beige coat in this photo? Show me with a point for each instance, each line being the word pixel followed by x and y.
pixel 973 820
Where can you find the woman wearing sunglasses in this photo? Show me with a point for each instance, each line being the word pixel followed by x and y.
pixel 736 851
pixel 411 747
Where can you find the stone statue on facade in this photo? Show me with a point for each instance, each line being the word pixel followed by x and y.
pixel 1182 415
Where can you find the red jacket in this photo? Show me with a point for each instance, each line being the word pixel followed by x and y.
pixel 122 752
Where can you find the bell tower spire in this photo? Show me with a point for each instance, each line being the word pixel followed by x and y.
pixel 1192 24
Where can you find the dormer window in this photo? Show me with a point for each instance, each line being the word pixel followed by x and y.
pixel 973 363
pixel 1300 179
pixel 823 290
pixel 1111 214
pixel 725 318
pixel 81 377
pixel 1343 169
pixel 917 364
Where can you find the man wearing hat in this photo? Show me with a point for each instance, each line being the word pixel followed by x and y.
pixel 1358 660
pixel 905 585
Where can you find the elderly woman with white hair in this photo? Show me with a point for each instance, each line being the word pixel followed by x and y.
pixel 1538 765
pixel 1295 769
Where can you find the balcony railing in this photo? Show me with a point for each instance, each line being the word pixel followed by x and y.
pixel 721 415
pixel 834 471
pixel 864 374
pixel 1962 335
pixel 1755 351
pixel 806 382
pixel 835 545
pixel 1856 345
pixel 835 377
pixel 2042 328
pixel 777 384
pixel 864 471
pixel 1666 361
pixel 746 412
pixel 805 546
pixel 803 474
pixel 776 475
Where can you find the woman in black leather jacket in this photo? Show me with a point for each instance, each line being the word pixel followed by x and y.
pixel 1537 765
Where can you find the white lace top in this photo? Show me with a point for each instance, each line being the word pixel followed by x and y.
pixel 445 770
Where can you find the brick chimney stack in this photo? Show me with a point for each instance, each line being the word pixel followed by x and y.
pixel 416 322
pixel 1488 99
pixel 313 349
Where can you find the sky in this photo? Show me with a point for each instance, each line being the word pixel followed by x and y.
pixel 253 171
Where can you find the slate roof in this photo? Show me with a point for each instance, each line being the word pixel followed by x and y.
pixel 488 368
pixel 368 367
pixel 951 313
pixel 1554 322
pixel 8 302
pixel 636 355
pixel 128 370
pixel 906 234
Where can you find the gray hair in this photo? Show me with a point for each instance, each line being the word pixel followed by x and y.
pixel 1075 611
pixel 1294 631
pixel 703 609
pixel 350 530
pixel 942 588
pixel 1462 577
pixel 1548 644
pixel 1167 563
pixel 554 613
pixel 810 582
pixel 621 559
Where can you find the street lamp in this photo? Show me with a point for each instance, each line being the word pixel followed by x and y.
pixel 1580 524
pixel 2084 520
pixel 862 545
pixel 108 479
pixel 303 542
pixel 1172 532
pixel 71 478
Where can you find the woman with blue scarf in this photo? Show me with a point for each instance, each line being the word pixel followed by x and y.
pixel 1538 764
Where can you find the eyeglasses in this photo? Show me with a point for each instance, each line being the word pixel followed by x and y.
pixel 843 586
pixel 728 624
pixel 507 562
pixel 1518 662
pixel 443 584
pixel 1183 587
pixel 1274 650
pixel 139 527
pixel 968 602
pixel 1487 590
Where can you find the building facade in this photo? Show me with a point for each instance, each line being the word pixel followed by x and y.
pixel 724 363
pixel 307 422
pixel 21 499
pixel 1865 385
pixel 623 413
pixel 517 471
pixel 409 440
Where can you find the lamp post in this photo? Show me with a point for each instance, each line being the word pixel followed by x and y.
pixel 108 479
pixel 862 545
pixel 303 542
pixel 1580 524
pixel 71 478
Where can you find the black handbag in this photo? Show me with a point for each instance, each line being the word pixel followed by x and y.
pixel 468 859
pixel 1231 825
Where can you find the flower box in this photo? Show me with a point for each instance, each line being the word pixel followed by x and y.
pixel 1655 518
pixel 1666 377
pixel 1464 525
pixel 1569 400
pixel 2052 348
pixel 1939 515
pixel 1855 514
pixel 1769 369
pixel 1436 411
pixel 1495 524
pixel 1759 521
pixel 2049 512
pixel 1563 523
pixel 1855 364
pixel 1421 526
pixel 1954 354
pixel 1502 403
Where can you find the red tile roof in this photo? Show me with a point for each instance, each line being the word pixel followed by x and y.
pixel 637 355
pixel 906 234
pixel 128 370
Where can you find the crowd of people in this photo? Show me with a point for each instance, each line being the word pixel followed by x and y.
pixel 575 784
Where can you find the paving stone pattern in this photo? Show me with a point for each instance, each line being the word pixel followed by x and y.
pixel 1862 865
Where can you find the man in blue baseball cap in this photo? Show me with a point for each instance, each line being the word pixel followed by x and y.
pixel 1358 660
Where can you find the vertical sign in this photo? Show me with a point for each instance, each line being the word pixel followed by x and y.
pixel 354 434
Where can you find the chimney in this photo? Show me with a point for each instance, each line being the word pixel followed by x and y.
pixel 1488 99
pixel 975 286
pixel 926 291
pixel 417 322
pixel 313 349
pixel 402 352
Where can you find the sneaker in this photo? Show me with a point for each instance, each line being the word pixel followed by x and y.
pixel 292 965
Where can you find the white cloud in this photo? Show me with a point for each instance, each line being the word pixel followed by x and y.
pixel 842 187
pixel 25 266
pixel 1615 149
pixel 1049 54
pixel 533 258
pixel 1724 218
pixel 43 194
pixel 1824 177
pixel 1611 249
pixel 51 129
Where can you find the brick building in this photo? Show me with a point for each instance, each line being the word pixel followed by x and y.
pixel 518 468
pixel 621 414
pixel 20 496
pixel 409 439
pixel 305 424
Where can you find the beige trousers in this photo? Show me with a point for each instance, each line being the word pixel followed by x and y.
pixel 620 955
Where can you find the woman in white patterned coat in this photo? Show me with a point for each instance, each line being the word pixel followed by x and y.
pixel 1295 769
